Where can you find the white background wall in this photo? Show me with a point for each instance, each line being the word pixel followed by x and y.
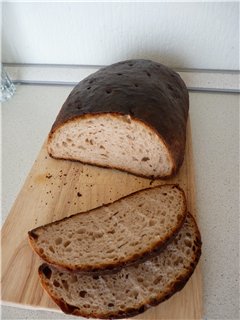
pixel 193 35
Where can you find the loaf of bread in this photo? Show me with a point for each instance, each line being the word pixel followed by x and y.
pixel 131 290
pixel 129 116
pixel 114 235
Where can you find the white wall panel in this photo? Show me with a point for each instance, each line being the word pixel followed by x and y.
pixel 193 35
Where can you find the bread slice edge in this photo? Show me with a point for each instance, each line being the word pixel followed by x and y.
pixel 135 259
pixel 173 288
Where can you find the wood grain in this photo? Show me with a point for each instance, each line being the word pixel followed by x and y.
pixel 55 189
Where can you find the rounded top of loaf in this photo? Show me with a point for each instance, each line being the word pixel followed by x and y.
pixel 133 87
pixel 142 89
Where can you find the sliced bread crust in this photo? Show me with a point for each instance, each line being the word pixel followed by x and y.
pixel 123 108
pixel 131 290
pixel 114 235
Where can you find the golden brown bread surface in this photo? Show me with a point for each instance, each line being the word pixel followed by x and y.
pixel 130 116
pixel 132 289
pixel 114 235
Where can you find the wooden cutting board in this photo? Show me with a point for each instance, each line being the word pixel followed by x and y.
pixel 55 189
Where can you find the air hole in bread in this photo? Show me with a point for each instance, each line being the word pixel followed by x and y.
pixel 188 243
pixel 51 249
pixel 58 241
pixel 81 230
pixel 56 283
pixel 108 91
pixel 119 74
pixel 47 272
pixel 110 305
pixel 111 231
pixel 148 74
pixel 64 143
pixel 67 243
pixel 136 85
pixel 41 250
pixel 82 294
pixel 88 88
pixel 140 279
pixel 152 222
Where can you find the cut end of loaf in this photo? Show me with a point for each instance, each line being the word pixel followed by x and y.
pixel 112 140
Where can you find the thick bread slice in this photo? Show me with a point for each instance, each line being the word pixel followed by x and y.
pixel 113 235
pixel 130 116
pixel 131 290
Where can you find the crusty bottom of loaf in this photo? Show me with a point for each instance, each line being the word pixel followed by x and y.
pixel 131 290
pixel 112 140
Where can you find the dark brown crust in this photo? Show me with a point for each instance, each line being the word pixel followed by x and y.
pixel 174 287
pixel 136 258
pixel 160 101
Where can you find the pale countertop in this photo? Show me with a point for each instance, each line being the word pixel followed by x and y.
pixel 26 120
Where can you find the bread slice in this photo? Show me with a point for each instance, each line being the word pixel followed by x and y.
pixel 131 116
pixel 113 235
pixel 131 290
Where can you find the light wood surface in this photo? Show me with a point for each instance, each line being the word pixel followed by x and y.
pixel 55 189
